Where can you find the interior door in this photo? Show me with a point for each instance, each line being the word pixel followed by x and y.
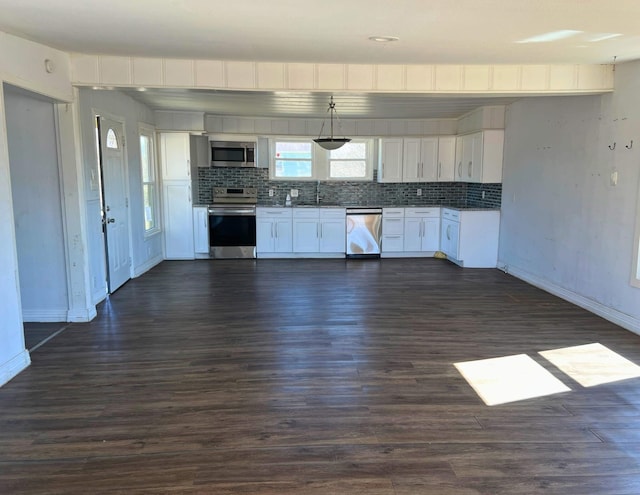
pixel 115 202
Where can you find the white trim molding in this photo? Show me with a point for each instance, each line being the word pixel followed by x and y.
pixel 145 267
pixel 110 71
pixel 14 366
pixel 44 315
pixel 622 319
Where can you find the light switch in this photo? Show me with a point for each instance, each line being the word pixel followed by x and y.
pixel 614 178
pixel 294 193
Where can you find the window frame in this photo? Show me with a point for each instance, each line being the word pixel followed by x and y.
pixel 368 159
pixel 145 130
pixel 320 161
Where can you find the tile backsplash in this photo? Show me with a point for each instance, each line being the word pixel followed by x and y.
pixel 369 193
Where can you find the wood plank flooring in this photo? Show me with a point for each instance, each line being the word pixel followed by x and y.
pixel 315 377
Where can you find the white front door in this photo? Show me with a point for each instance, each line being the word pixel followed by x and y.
pixel 115 202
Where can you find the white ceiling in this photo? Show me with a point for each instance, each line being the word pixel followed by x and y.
pixel 326 31
pixel 332 31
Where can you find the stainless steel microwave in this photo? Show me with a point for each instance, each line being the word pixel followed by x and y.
pixel 233 154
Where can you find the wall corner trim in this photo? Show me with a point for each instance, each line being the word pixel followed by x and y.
pixel 14 366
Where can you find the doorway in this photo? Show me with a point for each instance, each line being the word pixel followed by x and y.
pixel 114 200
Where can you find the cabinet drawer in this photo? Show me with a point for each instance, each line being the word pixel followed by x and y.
pixel 450 214
pixel 393 212
pixel 392 226
pixel 392 243
pixel 422 212
pixel 306 213
pixel 334 213
pixel 273 212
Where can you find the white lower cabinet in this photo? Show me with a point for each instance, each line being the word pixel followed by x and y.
pixel 201 231
pixel 421 229
pixel 319 231
pixel 392 230
pixel 274 231
pixel 178 220
pixel 470 237
pixel 333 230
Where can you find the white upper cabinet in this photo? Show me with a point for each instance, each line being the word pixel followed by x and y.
pixel 430 159
pixel 479 157
pixel 446 158
pixel 420 159
pixel 175 156
pixel 390 166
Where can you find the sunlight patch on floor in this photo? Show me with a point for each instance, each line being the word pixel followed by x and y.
pixel 509 379
pixel 592 364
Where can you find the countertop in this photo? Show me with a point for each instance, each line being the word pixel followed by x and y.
pixel 458 208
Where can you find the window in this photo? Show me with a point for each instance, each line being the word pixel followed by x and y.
pixel 112 139
pixel 349 161
pixel 293 160
pixel 149 182
pixel 302 159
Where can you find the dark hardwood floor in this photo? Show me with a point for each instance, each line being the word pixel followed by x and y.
pixel 315 377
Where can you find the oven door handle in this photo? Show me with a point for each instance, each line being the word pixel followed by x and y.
pixel 232 212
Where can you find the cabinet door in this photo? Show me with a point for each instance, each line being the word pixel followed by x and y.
pixel 446 158
pixel 265 235
pixel 201 230
pixel 392 226
pixel 467 157
pixel 283 229
pixel 174 156
pixel 459 159
pixel 333 236
pixel 305 235
pixel 413 234
pixel 450 237
pixel 411 160
pixel 178 221
pixel 429 160
pixel 199 151
pixel 430 234
pixel 390 166
pixel 476 157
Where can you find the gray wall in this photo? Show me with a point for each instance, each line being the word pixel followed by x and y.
pixel 564 226
pixel 145 251
pixel 35 184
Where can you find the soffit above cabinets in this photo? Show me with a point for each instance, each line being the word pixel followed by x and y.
pixel 312 105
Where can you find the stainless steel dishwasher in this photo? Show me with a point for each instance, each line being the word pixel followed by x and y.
pixel 364 231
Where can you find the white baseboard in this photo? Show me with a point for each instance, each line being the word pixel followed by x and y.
pixel 44 316
pixel 614 316
pixel 14 366
pixel 82 315
pixel 145 267
pixel 411 254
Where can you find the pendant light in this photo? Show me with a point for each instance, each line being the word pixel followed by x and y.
pixel 331 143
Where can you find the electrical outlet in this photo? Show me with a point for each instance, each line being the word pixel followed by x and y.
pixel 294 193
pixel 271 193
pixel 419 192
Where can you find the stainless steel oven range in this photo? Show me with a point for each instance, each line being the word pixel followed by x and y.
pixel 232 222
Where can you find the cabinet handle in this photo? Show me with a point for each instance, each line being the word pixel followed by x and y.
pixel 439 169
pixel 275 229
pixel 460 169
pixel 383 170
pixel 318 231
pixel 272 236
pixel 449 232
pixel 469 172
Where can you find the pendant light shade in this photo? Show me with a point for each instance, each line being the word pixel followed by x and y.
pixel 331 143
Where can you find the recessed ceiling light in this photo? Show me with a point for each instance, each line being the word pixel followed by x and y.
pixel 383 39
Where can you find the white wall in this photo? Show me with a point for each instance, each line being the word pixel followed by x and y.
pixel 37 200
pixel 146 252
pixel 564 227
pixel 21 64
